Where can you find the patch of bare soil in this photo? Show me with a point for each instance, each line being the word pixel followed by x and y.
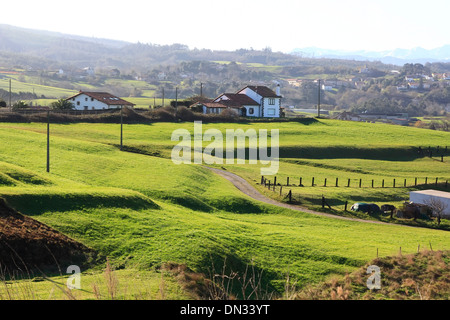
pixel 27 245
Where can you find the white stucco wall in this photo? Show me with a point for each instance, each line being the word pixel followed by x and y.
pixel 82 101
pixel 272 110
pixel 256 111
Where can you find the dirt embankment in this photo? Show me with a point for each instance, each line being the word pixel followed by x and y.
pixel 27 245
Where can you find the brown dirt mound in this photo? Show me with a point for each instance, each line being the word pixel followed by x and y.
pixel 27 245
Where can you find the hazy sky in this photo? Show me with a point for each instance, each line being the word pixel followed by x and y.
pixel 232 24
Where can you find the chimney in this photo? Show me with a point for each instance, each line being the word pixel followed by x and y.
pixel 278 90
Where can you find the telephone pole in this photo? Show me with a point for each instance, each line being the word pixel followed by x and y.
pixel 318 103
pixel 48 140
pixel 10 104
pixel 121 128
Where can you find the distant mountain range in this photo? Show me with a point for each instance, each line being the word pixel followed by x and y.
pixel 397 56
pixel 45 49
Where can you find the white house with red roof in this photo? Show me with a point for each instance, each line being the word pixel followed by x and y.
pixel 251 101
pixel 97 101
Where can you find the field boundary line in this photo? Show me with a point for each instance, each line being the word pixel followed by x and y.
pixel 245 187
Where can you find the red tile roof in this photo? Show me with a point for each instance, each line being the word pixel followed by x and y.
pixel 104 97
pixel 262 91
pixel 237 100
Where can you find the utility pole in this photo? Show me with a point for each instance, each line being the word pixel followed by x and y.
pixel 201 89
pixel 121 128
pixel 163 97
pixel 318 104
pixel 10 104
pixel 176 104
pixel 176 97
pixel 48 140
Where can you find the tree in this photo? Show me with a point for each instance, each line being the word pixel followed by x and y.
pixel 2 104
pixel 19 105
pixel 438 206
pixel 61 104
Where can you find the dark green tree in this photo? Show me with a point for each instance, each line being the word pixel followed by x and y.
pixel 61 104
pixel 19 105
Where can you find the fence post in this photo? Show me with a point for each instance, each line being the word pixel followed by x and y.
pixel 287 182
pixel 372 183
pixel 312 184
pixel 300 182
pixel 275 180
pixel 325 182
pixel 382 184
pixel 348 183
pixel 337 179
pixel 346 203
pixel 415 182
pixel 436 182
pixel 404 184
pixel 394 183
pixel 290 195
pixel 426 180
pixel 269 185
pixel 262 180
pixel 360 181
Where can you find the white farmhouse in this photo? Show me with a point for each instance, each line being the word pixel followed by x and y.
pixel 251 101
pixel 97 101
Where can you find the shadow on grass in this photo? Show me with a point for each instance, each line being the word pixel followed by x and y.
pixel 351 152
pixel 36 204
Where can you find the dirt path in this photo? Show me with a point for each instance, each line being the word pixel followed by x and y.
pixel 249 190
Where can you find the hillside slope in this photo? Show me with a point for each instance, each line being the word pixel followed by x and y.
pixel 421 276
pixel 28 245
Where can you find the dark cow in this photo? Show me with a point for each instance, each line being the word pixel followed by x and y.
pixel 388 208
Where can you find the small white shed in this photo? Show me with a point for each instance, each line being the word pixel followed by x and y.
pixel 424 196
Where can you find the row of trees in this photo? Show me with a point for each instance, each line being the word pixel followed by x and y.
pixel 61 104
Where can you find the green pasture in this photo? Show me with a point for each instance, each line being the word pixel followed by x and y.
pixel 142 210
pixel 39 90
pixel 97 285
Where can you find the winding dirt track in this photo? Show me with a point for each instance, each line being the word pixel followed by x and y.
pixel 249 190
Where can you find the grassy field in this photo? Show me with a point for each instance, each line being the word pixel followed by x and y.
pixel 38 89
pixel 52 92
pixel 143 211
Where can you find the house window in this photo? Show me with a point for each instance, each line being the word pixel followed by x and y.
pixel 92 99
pixel 271 101
pixel 86 107
pixel 271 112
pixel 251 110
pixel 78 103
pixel 85 99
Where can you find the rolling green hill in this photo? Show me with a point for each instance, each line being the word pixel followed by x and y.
pixel 144 211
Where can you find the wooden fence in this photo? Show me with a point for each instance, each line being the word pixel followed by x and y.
pixel 370 183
